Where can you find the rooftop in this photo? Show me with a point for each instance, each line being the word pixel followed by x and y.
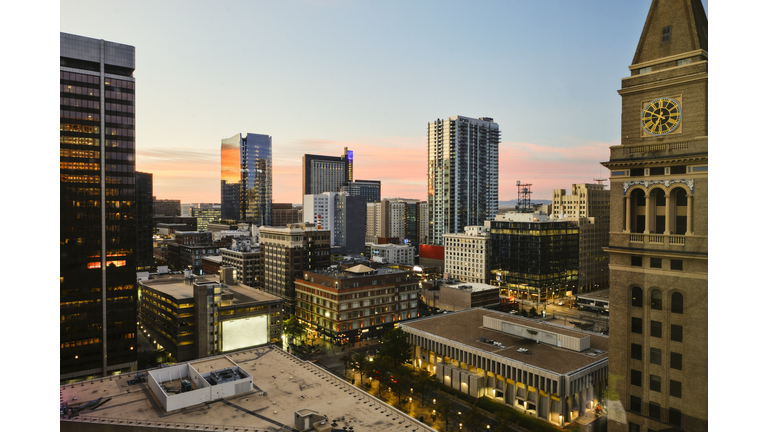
pixel 176 287
pixel 282 385
pixel 596 295
pixel 466 327
pixel 355 272
pixel 472 287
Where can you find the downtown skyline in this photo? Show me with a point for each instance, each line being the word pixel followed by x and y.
pixel 319 76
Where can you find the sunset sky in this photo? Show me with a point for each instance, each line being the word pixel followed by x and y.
pixel 322 75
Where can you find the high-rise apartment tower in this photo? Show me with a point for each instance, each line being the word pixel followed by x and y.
pixel 97 195
pixel 462 175
pixel 659 227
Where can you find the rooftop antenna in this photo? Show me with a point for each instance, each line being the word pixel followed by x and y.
pixel 523 198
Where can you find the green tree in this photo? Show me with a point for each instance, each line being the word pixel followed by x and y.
pixel 475 420
pixel 445 411
pixel 347 360
pixel 505 422
pixel 402 377
pixel 523 312
pixel 293 328
pixel 395 346
pixel 532 312
pixel 424 381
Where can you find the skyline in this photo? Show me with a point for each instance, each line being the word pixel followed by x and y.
pixel 330 77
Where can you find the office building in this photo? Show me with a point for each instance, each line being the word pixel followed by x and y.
pixel 343 215
pixel 246 178
pixel 533 257
pixel 370 189
pixel 467 255
pixel 167 207
pixel 403 219
pixel 346 305
pixel 205 214
pixel 588 206
pixel 244 258
pixel 144 231
pixel 286 252
pixel 325 173
pixel 659 227
pixel 546 371
pixel 97 200
pixel 192 317
pixel 284 214
pixel 462 174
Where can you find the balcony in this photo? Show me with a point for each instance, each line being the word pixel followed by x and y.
pixel 671 243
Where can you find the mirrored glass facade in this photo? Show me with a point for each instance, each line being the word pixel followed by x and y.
pixel 246 178
pixel 97 203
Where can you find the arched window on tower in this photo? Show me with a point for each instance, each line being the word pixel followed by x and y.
pixel 638 211
pixel 679 211
pixel 656 299
pixel 637 297
pixel 657 218
pixel 677 303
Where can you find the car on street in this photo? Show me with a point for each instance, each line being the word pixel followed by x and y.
pixel 561 304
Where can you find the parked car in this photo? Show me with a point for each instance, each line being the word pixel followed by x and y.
pixel 561 304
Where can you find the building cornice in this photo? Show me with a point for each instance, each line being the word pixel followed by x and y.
pixel 662 84
pixel 661 60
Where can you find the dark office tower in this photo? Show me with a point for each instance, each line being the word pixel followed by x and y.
pixel 326 173
pixel 246 179
pixel 349 223
pixel 462 175
pixel 144 259
pixel 659 227
pixel 370 189
pixel 97 200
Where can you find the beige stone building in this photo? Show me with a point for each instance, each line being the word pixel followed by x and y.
pixel 467 254
pixel 659 228
pixel 588 206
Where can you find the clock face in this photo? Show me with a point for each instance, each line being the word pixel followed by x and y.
pixel 661 116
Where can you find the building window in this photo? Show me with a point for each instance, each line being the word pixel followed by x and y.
pixel 636 352
pixel 666 32
pixel 637 261
pixel 635 403
pixel 655 383
pixel 654 410
pixel 655 356
pixel 675 388
pixel 636 378
pixel 634 427
pixel 676 333
pixel 675 417
pixel 644 70
pixel 676 265
pixel 637 325
pixel 676 361
pixel 677 303
pixel 656 299
pixel 656 329
pixel 655 262
pixel 637 296
pixel 679 169
pixel 684 61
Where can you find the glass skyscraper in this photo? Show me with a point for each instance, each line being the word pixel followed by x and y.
pixel 97 193
pixel 246 179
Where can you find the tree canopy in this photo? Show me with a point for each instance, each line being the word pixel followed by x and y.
pixel 395 346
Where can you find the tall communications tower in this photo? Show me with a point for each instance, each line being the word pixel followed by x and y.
pixel 523 198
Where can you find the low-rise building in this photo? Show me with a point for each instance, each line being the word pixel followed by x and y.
pixel 553 373
pixel 193 317
pixel 349 304
pixel 460 296
pixel 211 264
pixel 391 253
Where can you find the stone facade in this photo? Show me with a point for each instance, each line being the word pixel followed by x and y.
pixel 659 231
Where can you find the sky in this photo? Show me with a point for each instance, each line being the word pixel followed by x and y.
pixel 321 75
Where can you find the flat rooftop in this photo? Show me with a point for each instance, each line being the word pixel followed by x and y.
pixel 473 287
pixel 466 327
pixel 596 295
pixel 345 274
pixel 244 293
pixel 290 385
pixel 175 287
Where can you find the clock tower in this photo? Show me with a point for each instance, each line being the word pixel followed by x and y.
pixel 659 227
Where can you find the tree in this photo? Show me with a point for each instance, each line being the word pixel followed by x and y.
pixel 505 422
pixel 445 410
pixel 523 312
pixel 346 359
pixel 293 328
pixel 424 381
pixel 395 345
pixel 532 312
pixel 475 420
pixel 402 376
